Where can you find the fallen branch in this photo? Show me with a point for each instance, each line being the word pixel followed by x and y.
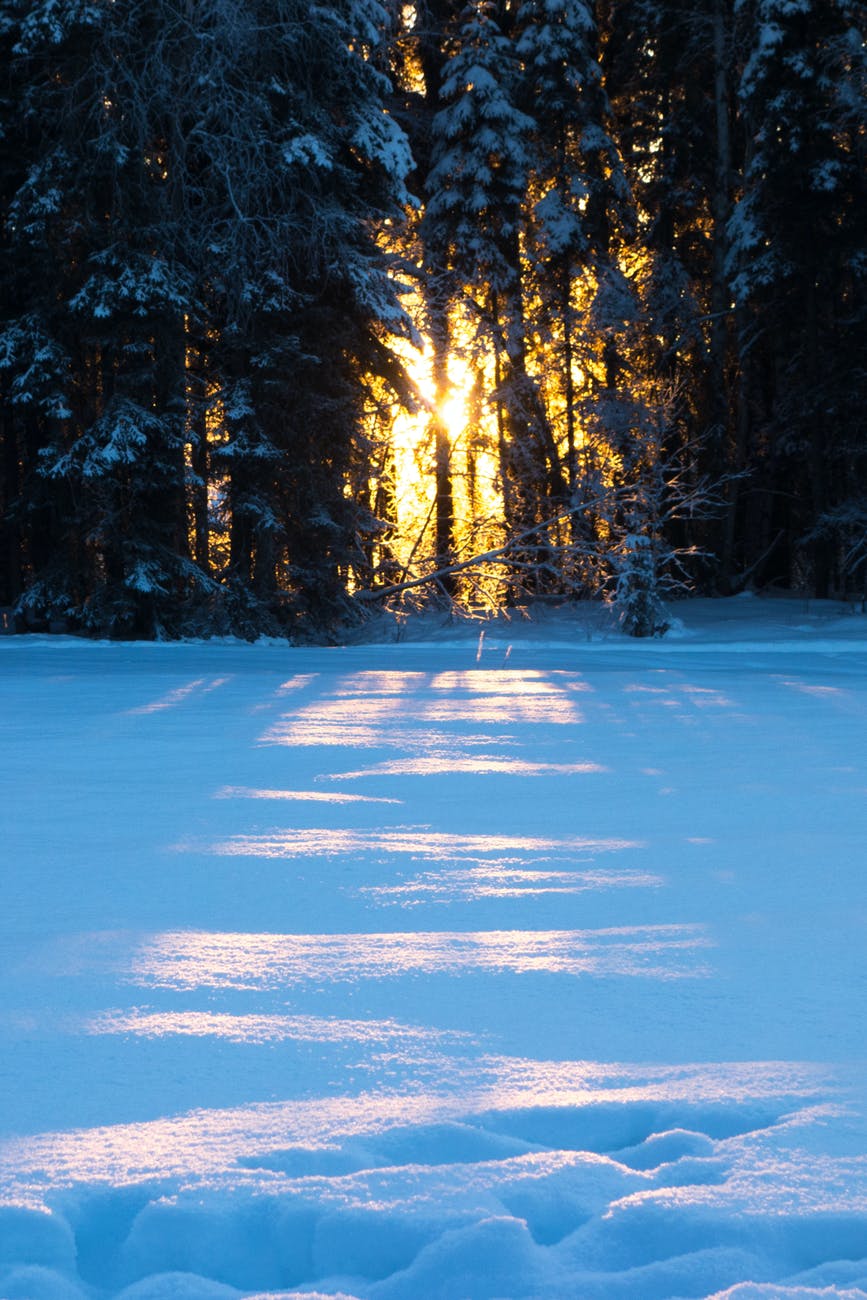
pixel 497 556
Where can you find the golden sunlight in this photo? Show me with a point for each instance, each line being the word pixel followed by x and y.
pixel 454 415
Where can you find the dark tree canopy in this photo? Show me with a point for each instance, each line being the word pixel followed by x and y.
pixel 225 225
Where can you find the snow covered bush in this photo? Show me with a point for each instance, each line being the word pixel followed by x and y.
pixel 637 598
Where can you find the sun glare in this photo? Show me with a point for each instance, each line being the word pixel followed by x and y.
pixel 452 414
pixel 472 465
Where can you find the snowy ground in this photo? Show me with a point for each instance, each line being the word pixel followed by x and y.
pixel 439 970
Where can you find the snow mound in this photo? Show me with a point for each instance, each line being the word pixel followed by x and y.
pixel 749 1291
pixel 178 1286
pixel 657 1194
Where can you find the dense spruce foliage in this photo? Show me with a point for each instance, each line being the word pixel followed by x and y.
pixel 642 222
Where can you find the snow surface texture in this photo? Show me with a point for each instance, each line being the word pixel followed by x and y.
pixel 530 965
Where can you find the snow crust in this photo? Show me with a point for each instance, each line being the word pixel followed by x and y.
pixel 463 967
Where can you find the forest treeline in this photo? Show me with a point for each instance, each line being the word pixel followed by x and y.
pixel 229 227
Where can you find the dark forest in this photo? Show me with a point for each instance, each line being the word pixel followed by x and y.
pixel 311 311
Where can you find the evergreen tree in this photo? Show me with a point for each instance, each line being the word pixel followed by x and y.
pixel 581 218
pixel 476 213
pixel 670 70
pixel 44 364
pixel 200 198
pixel 420 61
pixel 799 259
pixel 306 302
pixel 649 212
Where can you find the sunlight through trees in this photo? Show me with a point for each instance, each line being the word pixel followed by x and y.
pixel 310 312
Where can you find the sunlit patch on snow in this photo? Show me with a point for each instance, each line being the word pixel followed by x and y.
pixel 370 722
pixel 298 682
pixel 506 709
pixel 303 796
pixel 706 696
pixel 496 881
pixel 562 1178
pixel 365 706
pixel 401 1158
pixel 209 959
pixel 215 684
pixel 259 1028
pixel 481 681
pixel 336 722
pixel 809 688
pixel 172 698
pixel 375 682
pixel 774 1174
pixel 476 765
pixel 504 696
pixel 568 1106
pixel 419 842
pixel 700 696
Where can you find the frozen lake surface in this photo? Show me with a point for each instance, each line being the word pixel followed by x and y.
pixel 459 968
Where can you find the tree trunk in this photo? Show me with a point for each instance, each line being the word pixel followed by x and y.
pixel 10 531
pixel 445 512
pixel 721 406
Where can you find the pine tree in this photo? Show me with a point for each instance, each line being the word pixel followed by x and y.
pixel 419 54
pixel 199 204
pixel 42 196
pixel 581 218
pixel 476 213
pixel 799 260
pixel 669 70
pixel 306 302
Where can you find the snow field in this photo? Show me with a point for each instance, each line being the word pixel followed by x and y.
pixel 436 970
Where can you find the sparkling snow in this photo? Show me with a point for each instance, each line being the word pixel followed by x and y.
pixel 531 964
